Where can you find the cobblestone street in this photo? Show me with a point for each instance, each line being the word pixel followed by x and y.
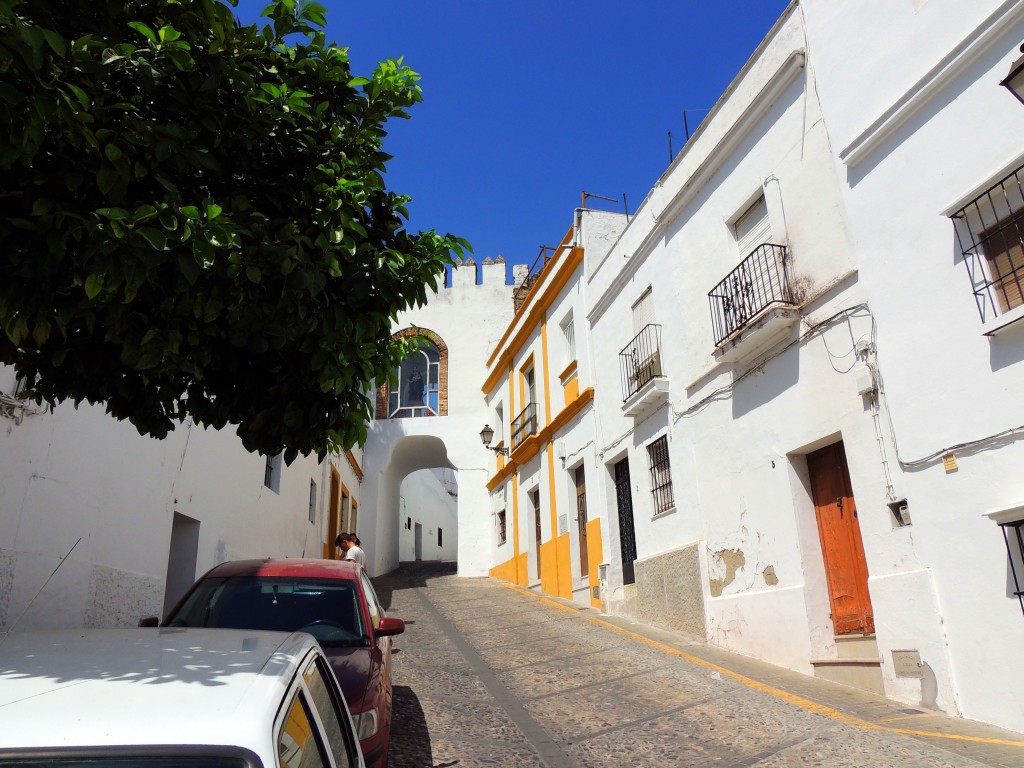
pixel 491 675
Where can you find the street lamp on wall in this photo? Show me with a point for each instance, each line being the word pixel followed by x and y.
pixel 1014 82
pixel 486 435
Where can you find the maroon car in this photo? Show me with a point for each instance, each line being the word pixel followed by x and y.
pixel 330 599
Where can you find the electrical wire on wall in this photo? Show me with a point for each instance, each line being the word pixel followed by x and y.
pixel 869 355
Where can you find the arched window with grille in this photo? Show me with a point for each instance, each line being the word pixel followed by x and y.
pixel 420 387
pixel 418 390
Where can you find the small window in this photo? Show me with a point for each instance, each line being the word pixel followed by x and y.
pixel 1013 533
pixel 990 230
pixel 272 473
pixel 501 527
pixel 643 311
pixel 439 537
pixel 569 335
pixel 312 501
pixel 408 523
pixel 752 228
pixel 661 475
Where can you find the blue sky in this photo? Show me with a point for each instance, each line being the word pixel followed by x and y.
pixel 528 104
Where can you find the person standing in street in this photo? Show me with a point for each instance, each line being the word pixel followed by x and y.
pixel 353 551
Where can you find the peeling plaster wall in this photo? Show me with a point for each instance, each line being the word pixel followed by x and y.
pixel 944 592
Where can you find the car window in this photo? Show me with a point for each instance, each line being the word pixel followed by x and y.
pixel 372 603
pixel 333 714
pixel 326 608
pixel 297 744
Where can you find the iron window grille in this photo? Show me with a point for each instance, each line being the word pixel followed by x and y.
pixel 524 425
pixel 760 281
pixel 312 501
pixel 661 475
pixel 501 527
pixel 990 232
pixel 1013 534
pixel 640 360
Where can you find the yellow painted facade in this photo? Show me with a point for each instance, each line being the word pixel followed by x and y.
pixel 594 549
pixel 525 346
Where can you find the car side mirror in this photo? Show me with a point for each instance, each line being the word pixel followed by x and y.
pixel 149 621
pixel 389 627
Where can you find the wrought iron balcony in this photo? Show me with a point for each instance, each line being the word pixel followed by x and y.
pixel 524 425
pixel 758 283
pixel 640 361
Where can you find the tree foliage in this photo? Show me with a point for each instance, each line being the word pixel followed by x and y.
pixel 194 219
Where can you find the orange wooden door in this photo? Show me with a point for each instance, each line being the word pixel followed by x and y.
pixel 841 545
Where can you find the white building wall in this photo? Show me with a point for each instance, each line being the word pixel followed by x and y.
pixel 427 502
pixel 919 122
pixel 470 319
pixel 78 481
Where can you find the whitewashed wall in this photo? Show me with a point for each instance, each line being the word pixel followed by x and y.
pixel 918 121
pixel 79 481
pixel 470 318
pixel 426 501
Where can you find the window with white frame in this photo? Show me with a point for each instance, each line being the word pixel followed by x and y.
pixel 661 475
pixel 752 228
pixel 990 231
pixel 418 390
pixel 643 311
pixel 569 335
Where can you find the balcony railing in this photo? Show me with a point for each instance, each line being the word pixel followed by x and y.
pixel 640 361
pixel 759 282
pixel 524 425
pixel 522 292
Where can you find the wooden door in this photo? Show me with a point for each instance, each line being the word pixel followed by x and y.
pixel 846 570
pixel 581 520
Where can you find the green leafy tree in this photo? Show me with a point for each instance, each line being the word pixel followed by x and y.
pixel 194 219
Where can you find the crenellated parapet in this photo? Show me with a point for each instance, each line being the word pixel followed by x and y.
pixel 489 272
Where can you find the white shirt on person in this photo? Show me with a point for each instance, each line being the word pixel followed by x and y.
pixel 355 552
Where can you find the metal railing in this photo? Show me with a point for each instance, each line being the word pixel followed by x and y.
pixel 759 282
pixel 524 425
pixel 640 360
pixel 522 292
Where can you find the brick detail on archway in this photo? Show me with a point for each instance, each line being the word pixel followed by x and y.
pixel 384 392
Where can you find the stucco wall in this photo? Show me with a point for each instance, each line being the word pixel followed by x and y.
pixel 77 481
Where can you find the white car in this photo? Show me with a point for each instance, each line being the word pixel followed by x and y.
pixel 161 698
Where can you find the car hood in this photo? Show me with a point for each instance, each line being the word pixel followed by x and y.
pixel 353 667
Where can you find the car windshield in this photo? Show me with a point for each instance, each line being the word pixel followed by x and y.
pixel 325 608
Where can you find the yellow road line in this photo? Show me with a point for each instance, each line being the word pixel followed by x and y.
pixel 917 716
pixel 757 685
